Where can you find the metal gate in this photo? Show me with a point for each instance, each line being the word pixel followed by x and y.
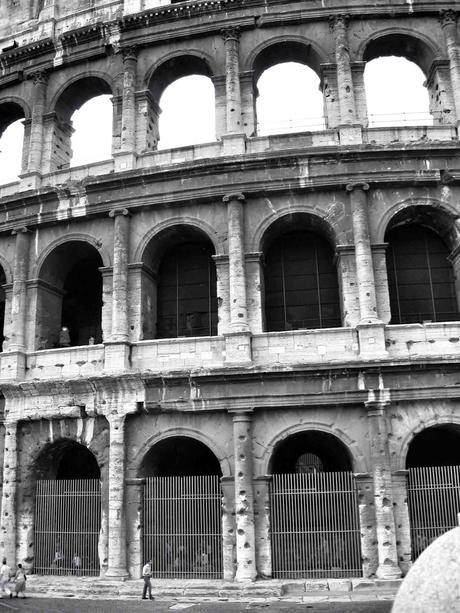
pixel 433 497
pixel 67 526
pixel 182 531
pixel 315 529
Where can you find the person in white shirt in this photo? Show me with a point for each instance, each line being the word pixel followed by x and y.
pixel 147 574
pixel 5 575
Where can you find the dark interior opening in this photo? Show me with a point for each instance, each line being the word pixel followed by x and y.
pixel 179 456
pixel 187 301
pixel 435 446
pixel 82 302
pixel 420 277
pixel 310 451
pixel 67 459
pixel 301 287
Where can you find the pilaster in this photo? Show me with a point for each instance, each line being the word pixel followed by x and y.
pixel 231 37
pixel 262 526
pixel 228 528
pixel 449 26
pixel 8 517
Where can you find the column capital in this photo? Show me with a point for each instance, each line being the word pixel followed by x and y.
pixel 230 33
pixel 241 415
pixel 40 77
pixel 362 185
pixel 448 18
pixel 238 196
pixel 19 230
pixel 129 53
pixel 376 407
pixel 117 212
pixel 338 21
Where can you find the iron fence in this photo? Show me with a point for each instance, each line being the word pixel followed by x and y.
pixel 433 497
pixel 67 527
pixel 182 532
pixel 315 528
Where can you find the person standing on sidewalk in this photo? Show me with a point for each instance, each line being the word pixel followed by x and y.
pixel 147 574
pixel 5 576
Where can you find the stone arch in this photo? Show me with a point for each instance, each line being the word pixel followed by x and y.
pixel 177 431
pixel 73 236
pixel 356 457
pixel 54 452
pixel 443 420
pixel 12 108
pixel 194 222
pixel 176 65
pixel 284 49
pixel 7 269
pixel 319 222
pixel 404 207
pixel 402 42
pixel 74 92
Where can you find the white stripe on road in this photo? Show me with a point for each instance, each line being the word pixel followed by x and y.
pixel 181 605
pixel 8 606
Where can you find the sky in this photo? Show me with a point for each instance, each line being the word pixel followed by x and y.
pixel 289 100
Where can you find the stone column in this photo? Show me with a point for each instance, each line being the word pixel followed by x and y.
pixel 8 521
pixel 401 514
pixel 134 521
pixel 244 497
pixel 120 330
pixel 117 529
pixel 350 133
pixel 234 139
pixel 262 526
pixel 19 294
pixel 238 348
pixel 388 567
pixel 128 119
pixel 363 253
pixel 40 80
pixel 117 349
pixel 369 557
pixel 449 25
pixel 228 527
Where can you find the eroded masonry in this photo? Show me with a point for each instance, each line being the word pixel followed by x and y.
pixel 240 357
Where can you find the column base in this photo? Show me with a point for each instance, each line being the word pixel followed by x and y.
pixel 234 144
pixel 124 160
pixel 238 348
pixel 388 572
pixel 13 365
pixel 120 574
pixel 351 134
pixel 371 338
pixel 30 180
pixel 117 356
pixel 245 576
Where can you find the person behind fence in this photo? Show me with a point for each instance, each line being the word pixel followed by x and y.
pixel 147 575
pixel 76 563
pixel 5 576
pixel 19 582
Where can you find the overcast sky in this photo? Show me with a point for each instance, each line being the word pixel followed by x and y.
pixel 289 100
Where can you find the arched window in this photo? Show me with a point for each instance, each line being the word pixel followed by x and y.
pixel 396 93
pixel 11 141
pixel 92 137
pixel 420 277
pixel 301 289
pixel 187 303
pixel 289 100
pixel 187 113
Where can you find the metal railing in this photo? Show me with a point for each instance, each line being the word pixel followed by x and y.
pixel 182 531
pixel 315 529
pixel 384 120
pixel 67 527
pixel 299 124
pixel 433 497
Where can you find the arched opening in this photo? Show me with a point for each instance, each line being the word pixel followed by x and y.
pixel 395 82
pixel 181 288
pixel 287 89
pixel 67 510
pixel 88 102
pixel 182 530
pixel 181 105
pixel 300 277
pixel 69 309
pixel 433 488
pixel 92 137
pixel 289 100
pixel 187 98
pixel 420 277
pixel 11 142
pixel 315 529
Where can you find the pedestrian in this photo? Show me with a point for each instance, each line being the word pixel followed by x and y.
pixel 147 574
pixel 19 582
pixel 5 576
pixel 76 563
